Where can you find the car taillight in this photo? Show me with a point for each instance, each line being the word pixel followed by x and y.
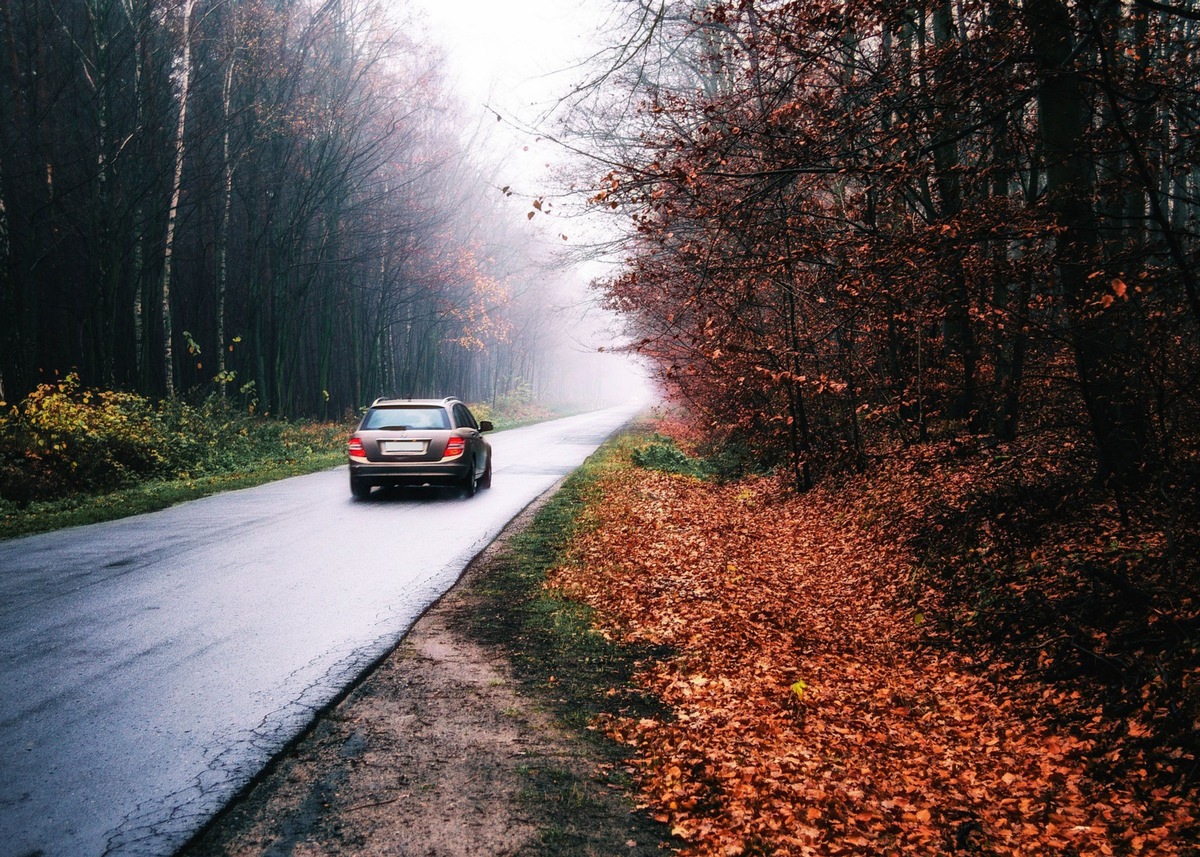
pixel 455 446
pixel 356 448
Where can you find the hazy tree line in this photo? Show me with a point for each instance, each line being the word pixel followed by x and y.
pixel 268 199
pixel 855 221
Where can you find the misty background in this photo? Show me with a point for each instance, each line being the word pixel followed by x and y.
pixel 301 206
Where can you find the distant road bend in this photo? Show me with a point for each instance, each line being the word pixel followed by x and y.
pixel 150 667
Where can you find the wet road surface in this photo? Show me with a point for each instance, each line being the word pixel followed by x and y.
pixel 150 667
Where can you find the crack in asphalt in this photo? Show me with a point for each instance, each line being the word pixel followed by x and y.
pixel 241 759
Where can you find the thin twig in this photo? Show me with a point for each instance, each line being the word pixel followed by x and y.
pixel 372 805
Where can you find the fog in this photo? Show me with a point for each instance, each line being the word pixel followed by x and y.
pixel 511 66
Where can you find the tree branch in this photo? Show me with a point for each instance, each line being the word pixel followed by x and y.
pixel 1181 11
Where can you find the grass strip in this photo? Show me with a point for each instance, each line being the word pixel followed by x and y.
pixel 576 672
pixel 44 516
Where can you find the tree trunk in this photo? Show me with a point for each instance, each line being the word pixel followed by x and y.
pixel 223 227
pixel 1118 413
pixel 5 277
pixel 176 186
pixel 960 334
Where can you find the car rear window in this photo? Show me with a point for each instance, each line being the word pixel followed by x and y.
pixel 407 417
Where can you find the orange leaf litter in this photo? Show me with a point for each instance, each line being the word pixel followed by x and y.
pixel 806 718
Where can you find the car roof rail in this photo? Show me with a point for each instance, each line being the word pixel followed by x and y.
pixel 387 399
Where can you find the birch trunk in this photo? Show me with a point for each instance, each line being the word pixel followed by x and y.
pixel 141 372
pixel 176 184
pixel 223 229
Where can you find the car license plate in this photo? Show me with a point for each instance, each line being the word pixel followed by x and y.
pixel 393 447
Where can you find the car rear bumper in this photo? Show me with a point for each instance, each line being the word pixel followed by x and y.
pixel 415 473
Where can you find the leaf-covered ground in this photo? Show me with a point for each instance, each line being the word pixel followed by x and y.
pixel 892 665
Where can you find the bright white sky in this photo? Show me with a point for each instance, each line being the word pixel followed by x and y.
pixel 514 54
pixel 517 58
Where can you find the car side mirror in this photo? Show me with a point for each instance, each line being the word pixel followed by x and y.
pixel 485 425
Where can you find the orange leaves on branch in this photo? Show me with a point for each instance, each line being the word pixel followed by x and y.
pixel 478 307
pixel 539 205
pixel 1119 290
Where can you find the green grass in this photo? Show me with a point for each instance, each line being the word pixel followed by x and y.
pixel 573 671
pixel 503 419
pixel 661 453
pixel 212 449
pixel 44 516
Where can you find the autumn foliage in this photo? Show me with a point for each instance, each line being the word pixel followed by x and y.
pixel 932 266
pixel 855 671
pixel 853 226
pixel 66 440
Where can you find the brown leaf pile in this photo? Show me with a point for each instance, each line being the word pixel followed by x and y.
pixel 809 716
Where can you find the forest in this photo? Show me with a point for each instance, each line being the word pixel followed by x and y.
pixel 271 201
pixel 853 224
pixel 916 553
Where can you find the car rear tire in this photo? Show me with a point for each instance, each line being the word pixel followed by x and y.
pixel 485 481
pixel 470 483
pixel 360 488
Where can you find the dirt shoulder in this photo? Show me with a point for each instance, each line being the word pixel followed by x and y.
pixel 442 751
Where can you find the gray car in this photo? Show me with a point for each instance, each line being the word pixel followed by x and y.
pixel 420 442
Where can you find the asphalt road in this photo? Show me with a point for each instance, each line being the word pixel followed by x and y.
pixel 150 667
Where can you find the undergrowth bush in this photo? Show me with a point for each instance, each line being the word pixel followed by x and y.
pixel 662 454
pixel 65 439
